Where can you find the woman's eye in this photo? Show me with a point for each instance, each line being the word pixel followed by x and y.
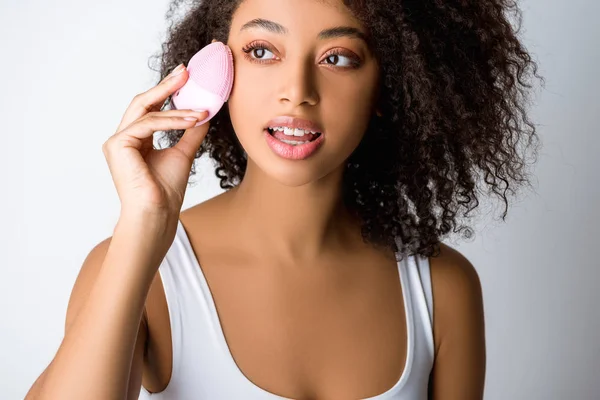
pixel 259 53
pixel 334 59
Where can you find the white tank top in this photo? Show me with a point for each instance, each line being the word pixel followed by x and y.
pixel 203 367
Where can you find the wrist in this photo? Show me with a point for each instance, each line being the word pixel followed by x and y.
pixel 147 235
pixel 146 216
pixel 147 226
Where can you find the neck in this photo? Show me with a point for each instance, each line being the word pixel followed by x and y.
pixel 292 224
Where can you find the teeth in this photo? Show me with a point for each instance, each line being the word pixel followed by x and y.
pixel 292 131
pixel 293 142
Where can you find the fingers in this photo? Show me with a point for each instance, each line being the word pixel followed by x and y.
pixel 161 121
pixel 191 140
pixel 153 98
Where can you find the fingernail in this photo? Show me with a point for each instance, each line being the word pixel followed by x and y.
pixel 200 111
pixel 177 71
pixel 191 119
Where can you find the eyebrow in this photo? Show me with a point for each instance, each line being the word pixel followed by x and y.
pixel 330 33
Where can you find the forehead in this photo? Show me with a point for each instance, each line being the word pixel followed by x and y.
pixel 292 14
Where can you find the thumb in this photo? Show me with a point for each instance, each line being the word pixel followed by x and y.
pixel 192 139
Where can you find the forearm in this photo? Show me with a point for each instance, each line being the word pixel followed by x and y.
pixel 94 359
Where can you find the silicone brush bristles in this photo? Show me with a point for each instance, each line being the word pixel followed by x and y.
pixel 212 69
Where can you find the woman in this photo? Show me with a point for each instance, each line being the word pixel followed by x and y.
pixel 316 277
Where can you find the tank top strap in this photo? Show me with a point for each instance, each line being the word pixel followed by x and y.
pixel 419 272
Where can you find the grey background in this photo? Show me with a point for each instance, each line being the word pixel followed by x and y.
pixel 69 70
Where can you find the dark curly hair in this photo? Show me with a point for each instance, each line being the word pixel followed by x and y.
pixel 455 82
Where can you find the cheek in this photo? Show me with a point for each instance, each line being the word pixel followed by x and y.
pixel 242 91
pixel 249 81
pixel 244 104
pixel 349 108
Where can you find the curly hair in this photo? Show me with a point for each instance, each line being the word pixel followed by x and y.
pixel 455 86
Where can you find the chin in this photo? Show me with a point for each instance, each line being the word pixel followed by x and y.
pixel 292 173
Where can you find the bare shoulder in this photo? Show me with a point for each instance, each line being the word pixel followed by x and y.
pixel 204 220
pixel 453 275
pixel 456 290
pixel 459 328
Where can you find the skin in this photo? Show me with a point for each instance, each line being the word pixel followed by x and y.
pixel 299 79
pixel 280 244
pixel 306 307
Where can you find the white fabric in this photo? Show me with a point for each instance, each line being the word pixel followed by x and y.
pixel 203 367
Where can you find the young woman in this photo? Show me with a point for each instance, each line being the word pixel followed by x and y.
pixel 321 276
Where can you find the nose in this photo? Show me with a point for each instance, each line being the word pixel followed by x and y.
pixel 299 85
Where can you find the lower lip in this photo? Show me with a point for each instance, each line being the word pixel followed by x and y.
pixel 298 152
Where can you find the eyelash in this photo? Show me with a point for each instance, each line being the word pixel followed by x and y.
pixel 354 61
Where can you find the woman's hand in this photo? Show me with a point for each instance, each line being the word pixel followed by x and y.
pixel 147 180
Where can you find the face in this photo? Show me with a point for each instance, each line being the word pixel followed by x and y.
pixel 289 65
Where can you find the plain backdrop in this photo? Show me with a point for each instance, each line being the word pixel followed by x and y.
pixel 70 68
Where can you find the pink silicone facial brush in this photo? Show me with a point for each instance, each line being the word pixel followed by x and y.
pixel 210 81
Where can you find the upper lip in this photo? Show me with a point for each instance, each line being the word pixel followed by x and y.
pixel 295 122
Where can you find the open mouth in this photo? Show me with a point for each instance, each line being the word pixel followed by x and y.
pixel 293 137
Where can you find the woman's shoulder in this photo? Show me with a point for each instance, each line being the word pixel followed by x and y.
pixel 451 269
pixel 203 211
pixel 204 221
pixel 458 312
pixel 456 285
